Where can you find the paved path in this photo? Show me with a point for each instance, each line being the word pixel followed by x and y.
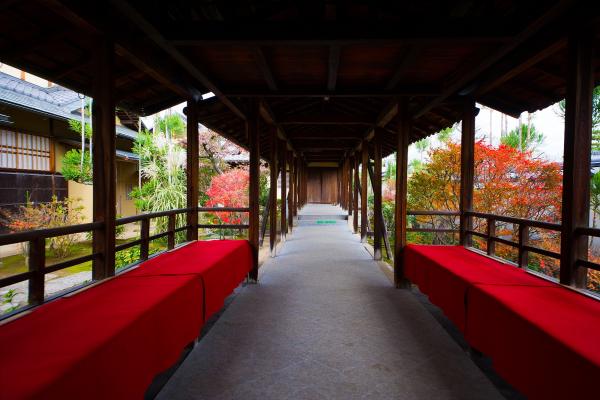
pixel 325 323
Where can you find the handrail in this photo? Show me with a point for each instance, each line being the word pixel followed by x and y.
pixel 532 223
pixel 433 212
pixel 26 236
pixel 37 240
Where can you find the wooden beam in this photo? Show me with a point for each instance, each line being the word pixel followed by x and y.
pixel 577 150
pixel 377 206
pixel 400 219
pixel 406 59
pixel 404 90
pixel 274 172
pixel 363 192
pixel 254 185
pixel 125 9
pixel 467 170
pixel 263 66
pixel 326 119
pixel 192 170
pixel 350 184
pixel 103 159
pixel 456 84
pixel 356 185
pixel 299 33
pixel 334 64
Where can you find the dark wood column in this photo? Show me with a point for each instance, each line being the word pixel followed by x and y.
pixel 290 197
pixel 355 196
pixel 364 176
pixel 349 169
pixel 467 169
pixel 274 172
pixel 577 150
pixel 254 185
pixel 192 170
pixel 377 210
pixel 283 168
pixel 401 192
pixel 103 159
pixel 296 174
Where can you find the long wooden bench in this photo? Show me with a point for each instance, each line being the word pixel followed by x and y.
pixel 111 340
pixel 541 337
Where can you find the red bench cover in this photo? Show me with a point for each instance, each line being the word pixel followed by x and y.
pixel 544 341
pixel 107 342
pixel 445 274
pixel 221 265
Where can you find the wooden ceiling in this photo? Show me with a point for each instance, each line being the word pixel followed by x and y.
pixel 326 74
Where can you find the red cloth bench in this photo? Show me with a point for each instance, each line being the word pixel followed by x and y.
pixel 111 340
pixel 220 264
pixel 107 342
pixel 541 337
pixel 543 340
pixel 445 274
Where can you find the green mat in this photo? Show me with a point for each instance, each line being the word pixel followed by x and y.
pixel 326 221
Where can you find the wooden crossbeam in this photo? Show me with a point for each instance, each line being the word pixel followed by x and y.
pixel 334 64
pixel 263 66
pixel 138 20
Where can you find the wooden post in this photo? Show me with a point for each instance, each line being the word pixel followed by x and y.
pixel 577 149
pixel 296 174
pixel 283 167
pixel 290 196
pixel 364 222
pixel 254 185
pixel 401 192
pixel 467 170
pixel 273 193
pixel 355 196
pixel 523 241
pixel 377 209
pixel 192 170
pixel 144 237
pixel 350 185
pixel 491 233
pixel 171 231
pixel 37 263
pixel 103 159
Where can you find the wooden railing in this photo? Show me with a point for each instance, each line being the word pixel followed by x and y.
pixel 36 239
pixel 434 214
pixel 589 232
pixel 522 245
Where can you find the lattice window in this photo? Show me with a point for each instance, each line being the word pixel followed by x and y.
pixel 24 151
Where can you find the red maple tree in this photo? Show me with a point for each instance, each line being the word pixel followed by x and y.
pixel 229 189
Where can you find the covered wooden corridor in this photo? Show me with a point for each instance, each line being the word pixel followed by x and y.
pixel 326 323
pixel 363 82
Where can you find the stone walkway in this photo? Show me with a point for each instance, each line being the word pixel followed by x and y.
pixel 325 323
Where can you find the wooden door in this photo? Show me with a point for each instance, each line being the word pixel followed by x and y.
pixel 322 185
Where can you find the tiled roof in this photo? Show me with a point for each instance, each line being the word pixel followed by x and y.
pixel 56 101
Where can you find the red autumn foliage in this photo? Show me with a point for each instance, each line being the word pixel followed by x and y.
pixel 229 189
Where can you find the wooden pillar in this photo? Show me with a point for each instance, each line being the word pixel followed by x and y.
pixel 401 193
pixel 103 159
pixel 467 170
pixel 364 175
pixel 273 192
pixel 290 197
pixel 350 184
pixel 577 150
pixel 254 185
pixel 377 209
pixel 296 173
pixel 283 167
pixel 355 196
pixel 192 170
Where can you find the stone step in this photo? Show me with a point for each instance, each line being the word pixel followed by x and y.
pixel 314 217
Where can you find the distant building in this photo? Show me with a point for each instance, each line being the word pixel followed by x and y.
pixel 34 136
